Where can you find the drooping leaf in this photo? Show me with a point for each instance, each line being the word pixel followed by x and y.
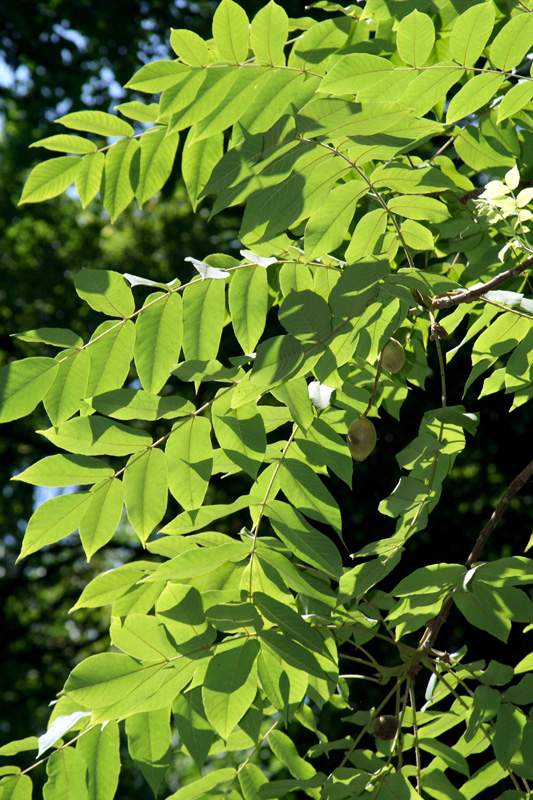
pixel 67 771
pixel 156 159
pixel 189 456
pixel 111 349
pixel 100 750
pixel 89 177
pixel 63 143
pixel 203 318
pixel 149 744
pixel 68 390
pixel 119 180
pixel 102 517
pixel 230 684
pixel 146 490
pixel 159 334
pixel 248 304
pixel 198 161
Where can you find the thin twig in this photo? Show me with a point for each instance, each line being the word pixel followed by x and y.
pixel 471 295
pixel 433 628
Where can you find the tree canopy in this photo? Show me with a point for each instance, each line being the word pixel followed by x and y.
pixel 226 416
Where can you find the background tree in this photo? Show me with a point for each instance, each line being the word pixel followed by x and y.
pixel 482 147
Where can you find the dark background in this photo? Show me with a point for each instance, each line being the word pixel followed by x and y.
pixel 62 56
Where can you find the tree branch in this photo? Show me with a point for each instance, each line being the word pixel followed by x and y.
pixel 433 627
pixel 471 295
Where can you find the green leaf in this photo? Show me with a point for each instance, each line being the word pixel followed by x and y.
pixel 119 185
pixel 142 636
pixel 431 87
pixel 111 349
pixel 295 395
pixel 327 227
pixel 417 236
pixel 189 47
pixel 105 291
pixel 285 749
pixel 269 32
pixel 403 179
pixel 141 112
pixel 180 609
pixel 201 787
pixel 195 732
pixel 68 390
pixel 198 161
pixel 102 517
pixel 15 786
pixel 473 605
pixel 288 621
pixel 303 540
pixel 479 91
pixel 128 404
pixel 471 33
pixel 306 315
pixel 415 206
pixel 19 746
pixel 149 745
pixel 89 177
pixel 146 491
pixel 514 101
pixel 451 758
pixel 355 72
pixel 189 454
pixel 156 76
pixel 96 122
pixel 23 384
pixel 100 749
pixel 53 520
pixel 431 578
pixel 190 563
pixel 336 117
pixel 512 43
pixel 283 684
pixel 159 334
pixel 58 337
pixel 49 179
pixel 156 159
pixel 311 52
pixel 240 433
pixel 510 723
pixel 111 585
pixel 487 776
pixel 190 88
pixel 67 776
pixel 199 518
pixel 304 489
pixel 204 312
pixel 105 678
pixel 63 143
pixel 415 38
pixel 95 436
pixel 368 236
pixel 248 304
pixel 230 32
pixel 230 684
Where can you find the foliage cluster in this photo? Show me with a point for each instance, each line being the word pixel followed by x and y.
pixel 383 158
